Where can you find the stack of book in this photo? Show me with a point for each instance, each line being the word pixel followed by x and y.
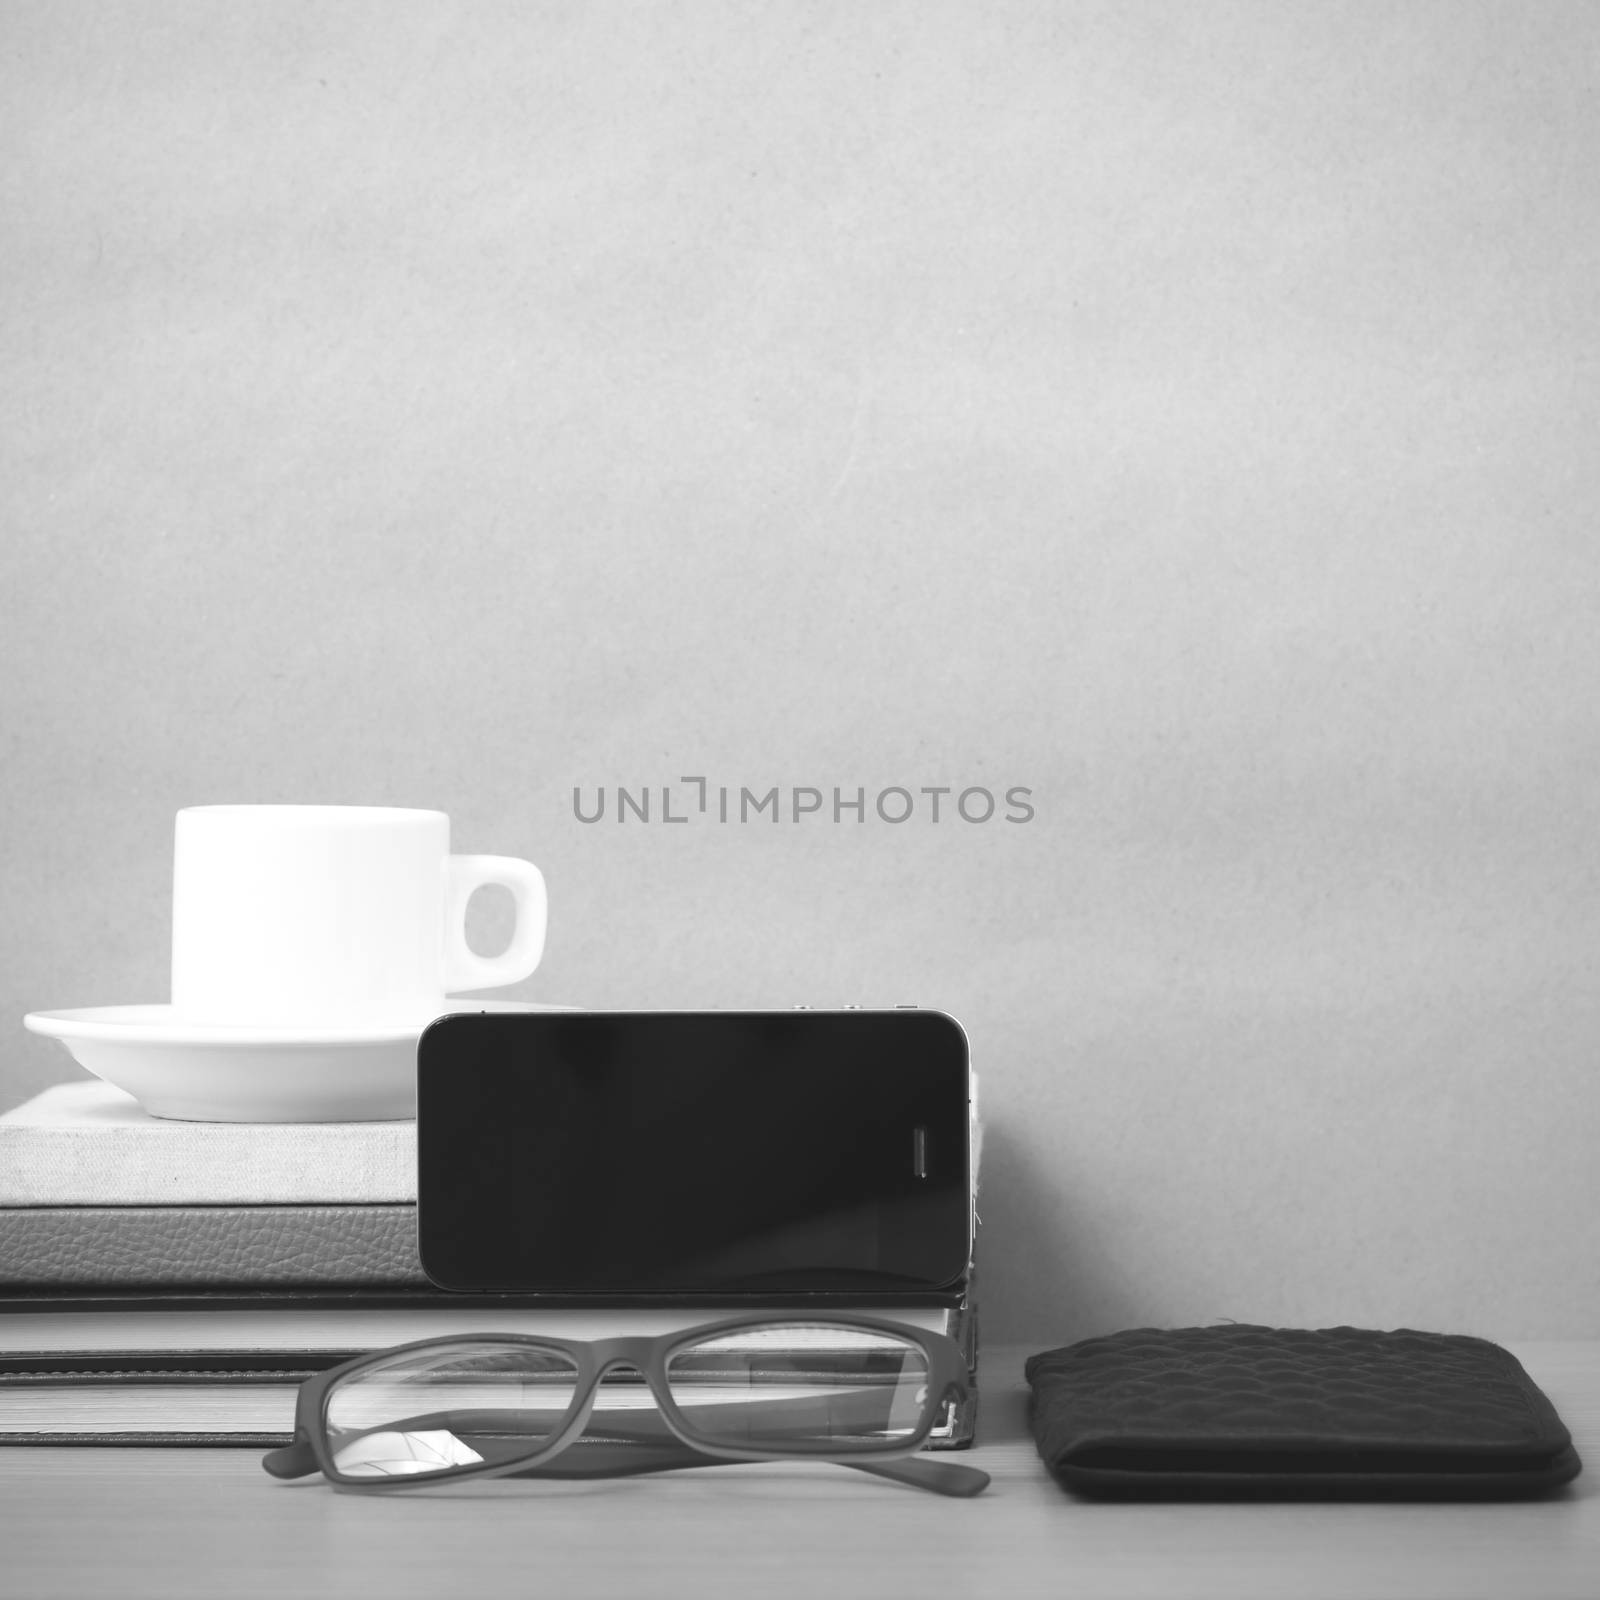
pixel 174 1282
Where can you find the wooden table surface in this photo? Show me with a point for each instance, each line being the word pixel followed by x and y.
pixel 175 1523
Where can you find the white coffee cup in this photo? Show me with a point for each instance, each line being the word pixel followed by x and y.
pixel 334 916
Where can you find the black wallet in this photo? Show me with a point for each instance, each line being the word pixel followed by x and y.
pixel 1240 1411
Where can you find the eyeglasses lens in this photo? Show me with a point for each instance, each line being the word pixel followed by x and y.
pixel 801 1383
pixel 434 1412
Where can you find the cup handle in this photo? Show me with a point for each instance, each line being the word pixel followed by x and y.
pixel 463 967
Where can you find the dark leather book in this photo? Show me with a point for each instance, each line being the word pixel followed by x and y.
pixel 185 1246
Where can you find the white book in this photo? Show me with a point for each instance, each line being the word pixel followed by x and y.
pixel 89 1144
pixel 258 1411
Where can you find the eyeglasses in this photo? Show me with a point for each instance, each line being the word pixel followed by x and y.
pixel 860 1391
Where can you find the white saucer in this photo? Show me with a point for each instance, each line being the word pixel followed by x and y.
pixel 209 1072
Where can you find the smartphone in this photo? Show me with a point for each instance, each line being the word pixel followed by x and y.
pixel 689 1153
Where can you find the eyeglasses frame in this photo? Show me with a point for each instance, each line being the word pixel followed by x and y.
pixel 649 1354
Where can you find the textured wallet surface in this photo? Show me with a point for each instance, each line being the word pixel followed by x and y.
pixel 1331 1412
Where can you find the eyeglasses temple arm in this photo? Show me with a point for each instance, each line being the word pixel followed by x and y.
pixel 296 1460
pixel 943 1477
pixel 618 1460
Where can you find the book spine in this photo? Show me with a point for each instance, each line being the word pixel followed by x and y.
pixel 173 1247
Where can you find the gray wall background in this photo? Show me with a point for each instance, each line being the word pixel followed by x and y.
pixel 1187 412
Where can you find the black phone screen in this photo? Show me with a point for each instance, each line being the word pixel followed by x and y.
pixel 694 1152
